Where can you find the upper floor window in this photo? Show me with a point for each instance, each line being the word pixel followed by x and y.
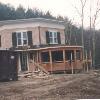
pixel 22 38
pixel 53 37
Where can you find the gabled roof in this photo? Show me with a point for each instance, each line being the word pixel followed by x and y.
pixel 18 21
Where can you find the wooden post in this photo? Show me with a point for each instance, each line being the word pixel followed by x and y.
pixel 81 55
pixel 37 57
pixel 51 60
pixel 72 64
pixel 86 62
pixel 19 63
pixel 75 59
pixel 90 58
pixel 64 60
pixel 27 62
pixel 40 57
pixel 82 60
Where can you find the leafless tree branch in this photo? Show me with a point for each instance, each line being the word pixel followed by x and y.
pixel 83 3
pixel 96 13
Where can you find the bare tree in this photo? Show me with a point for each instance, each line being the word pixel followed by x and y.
pixel 93 20
pixel 81 14
pixel 83 2
pixel 95 16
pixel 69 32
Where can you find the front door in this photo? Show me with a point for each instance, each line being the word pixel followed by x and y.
pixel 23 60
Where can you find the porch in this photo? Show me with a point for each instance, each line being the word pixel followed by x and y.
pixel 54 59
pixel 61 59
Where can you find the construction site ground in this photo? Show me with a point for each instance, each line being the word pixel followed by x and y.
pixel 53 87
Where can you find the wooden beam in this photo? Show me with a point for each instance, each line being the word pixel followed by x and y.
pixel 87 69
pixel 72 64
pixel 81 58
pixel 27 61
pixel 40 57
pixel 19 63
pixel 51 61
pixel 75 58
pixel 90 58
pixel 81 54
pixel 37 58
pixel 64 60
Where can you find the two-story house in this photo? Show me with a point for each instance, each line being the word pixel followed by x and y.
pixel 40 41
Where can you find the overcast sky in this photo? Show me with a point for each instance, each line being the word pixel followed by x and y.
pixel 58 7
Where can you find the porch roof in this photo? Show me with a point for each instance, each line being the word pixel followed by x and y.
pixel 38 48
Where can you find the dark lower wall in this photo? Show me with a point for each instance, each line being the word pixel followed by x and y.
pixel 8 65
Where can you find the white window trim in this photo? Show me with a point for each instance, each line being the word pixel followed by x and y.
pixel 53 32
pixel 21 31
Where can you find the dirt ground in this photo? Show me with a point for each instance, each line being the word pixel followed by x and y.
pixel 53 87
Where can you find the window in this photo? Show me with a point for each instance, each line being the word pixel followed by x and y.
pixel 45 57
pixel 53 37
pixel 68 54
pixel 31 56
pixel 57 56
pixel 22 38
pixel 78 54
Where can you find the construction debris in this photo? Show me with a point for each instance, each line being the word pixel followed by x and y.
pixel 55 87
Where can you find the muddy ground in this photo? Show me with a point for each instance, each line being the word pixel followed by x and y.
pixel 53 87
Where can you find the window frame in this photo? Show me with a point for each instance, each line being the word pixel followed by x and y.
pixel 57 56
pixel 52 37
pixel 22 38
pixel 78 54
pixel 68 55
pixel 0 40
pixel 45 57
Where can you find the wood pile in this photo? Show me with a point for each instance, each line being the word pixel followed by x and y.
pixel 39 72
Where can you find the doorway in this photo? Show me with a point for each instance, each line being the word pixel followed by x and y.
pixel 23 61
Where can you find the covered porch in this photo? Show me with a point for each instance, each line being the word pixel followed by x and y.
pixel 57 59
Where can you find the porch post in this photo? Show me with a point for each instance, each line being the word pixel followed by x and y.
pixel 51 60
pixel 72 64
pixel 19 63
pixel 90 59
pixel 81 55
pixel 87 62
pixel 64 60
pixel 81 59
pixel 40 57
pixel 27 61
pixel 37 58
pixel 75 59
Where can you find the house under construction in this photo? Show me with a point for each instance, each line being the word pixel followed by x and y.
pixel 40 43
